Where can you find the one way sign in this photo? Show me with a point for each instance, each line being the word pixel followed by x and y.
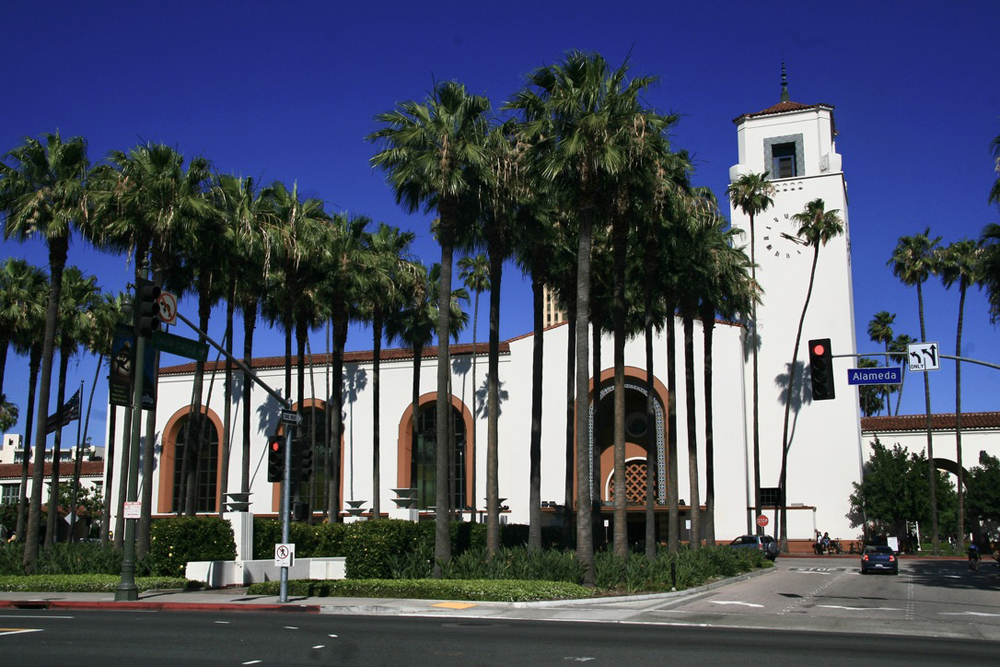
pixel 923 356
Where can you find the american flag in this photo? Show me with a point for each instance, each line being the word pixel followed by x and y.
pixel 70 411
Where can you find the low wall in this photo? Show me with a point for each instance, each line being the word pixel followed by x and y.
pixel 219 573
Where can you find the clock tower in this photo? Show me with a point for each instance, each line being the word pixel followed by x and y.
pixel 796 145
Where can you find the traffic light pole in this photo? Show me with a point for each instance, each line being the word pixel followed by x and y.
pixel 286 486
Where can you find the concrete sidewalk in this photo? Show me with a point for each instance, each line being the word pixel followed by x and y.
pixel 608 609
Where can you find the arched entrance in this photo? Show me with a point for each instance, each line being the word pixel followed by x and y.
pixel 191 455
pixel 416 462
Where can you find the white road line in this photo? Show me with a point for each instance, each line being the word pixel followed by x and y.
pixel 966 613
pixel 252 662
pixel 222 622
pixel 837 606
pixel 37 618
pixel 745 604
pixel 291 627
pixel 17 631
pixel 320 646
pixel 334 636
pixel 578 659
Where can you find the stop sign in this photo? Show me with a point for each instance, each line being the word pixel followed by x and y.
pixel 761 520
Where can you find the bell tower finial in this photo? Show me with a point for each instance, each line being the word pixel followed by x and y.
pixel 784 83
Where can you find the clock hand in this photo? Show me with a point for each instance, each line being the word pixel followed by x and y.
pixel 794 239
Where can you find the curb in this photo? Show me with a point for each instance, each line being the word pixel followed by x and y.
pixel 155 606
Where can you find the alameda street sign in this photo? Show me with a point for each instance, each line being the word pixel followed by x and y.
pixel 883 375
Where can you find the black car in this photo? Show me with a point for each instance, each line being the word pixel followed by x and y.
pixel 879 559
pixel 764 543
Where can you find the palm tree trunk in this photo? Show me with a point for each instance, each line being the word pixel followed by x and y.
pixel 492 407
pixel 34 361
pixel 958 418
pixel 673 513
pixel 52 526
pixel 249 323
pixel 651 453
pixel 584 528
pixel 596 428
pixel 535 469
pixel 442 532
pixel 227 409
pixel 692 433
pixel 109 474
pixel 755 382
pixel 619 241
pixel 418 353
pixel 475 411
pixel 931 470
pixel 119 536
pixel 76 459
pixel 336 430
pixel 570 471
pixel 376 415
pixel 782 496
pixel 58 250
pixel 708 329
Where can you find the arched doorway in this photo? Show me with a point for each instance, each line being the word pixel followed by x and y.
pixel 189 462
pixel 417 463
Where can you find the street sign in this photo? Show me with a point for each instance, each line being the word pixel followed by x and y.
pixel 884 375
pixel 284 555
pixel 291 417
pixel 762 521
pixel 133 510
pixel 923 356
pixel 168 308
pixel 182 347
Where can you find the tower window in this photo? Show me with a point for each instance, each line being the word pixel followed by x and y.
pixel 783 160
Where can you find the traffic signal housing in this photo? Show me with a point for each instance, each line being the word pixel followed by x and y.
pixel 821 367
pixel 275 458
pixel 302 460
pixel 147 307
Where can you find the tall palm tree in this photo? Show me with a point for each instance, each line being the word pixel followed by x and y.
pixel 752 194
pixel 20 283
pixel 77 301
pixel 817 227
pixel 428 151
pixel 591 110
pixel 960 262
pixel 880 331
pixel 43 194
pixel 991 267
pixel 475 275
pixel 912 262
pixel 393 270
pixel 870 396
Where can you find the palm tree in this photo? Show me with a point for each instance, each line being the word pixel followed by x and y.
pixel 393 271
pixel 870 396
pixel 475 274
pixel 912 262
pixel 591 110
pixel 817 227
pixel 960 262
pixel 20 282
pixel 77 301
pixel 428 151
pixel 751 193
pixel 991 267
pixel 43 193
pixel 994 197
pixel 880 331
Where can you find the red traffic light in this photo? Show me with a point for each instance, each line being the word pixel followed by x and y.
pixel 818 349
pixel 275 445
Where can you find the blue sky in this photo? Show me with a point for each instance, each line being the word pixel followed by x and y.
pixel 288 91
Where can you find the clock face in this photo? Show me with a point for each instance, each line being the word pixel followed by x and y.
pixel 780 239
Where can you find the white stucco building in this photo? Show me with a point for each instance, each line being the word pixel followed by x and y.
pixel 796 144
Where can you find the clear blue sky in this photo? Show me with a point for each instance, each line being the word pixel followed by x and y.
pixel 288 91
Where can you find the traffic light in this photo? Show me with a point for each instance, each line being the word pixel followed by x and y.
pixel 147 307
pixel 821 367
pixel 275 458
pixel 302 459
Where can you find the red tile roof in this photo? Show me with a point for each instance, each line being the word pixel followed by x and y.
pixel 783 107
pixel 392 354
pixel 12 471
pixel 939 422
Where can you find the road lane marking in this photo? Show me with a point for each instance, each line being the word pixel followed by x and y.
pixel 319 646
pixel 966 613
pixel 252 662
pixel 837 606
pixel 453 605
pixel 17 631
pixel 578 659
pixel 745 604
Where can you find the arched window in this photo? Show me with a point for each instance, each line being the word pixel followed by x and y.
pixel 313 431
pixel 196 456
pixel 423 465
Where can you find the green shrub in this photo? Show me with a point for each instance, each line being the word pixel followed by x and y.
pixel 369 545
pixel 91 583
pixel 311 540
pixel 428 589
pixel 175 541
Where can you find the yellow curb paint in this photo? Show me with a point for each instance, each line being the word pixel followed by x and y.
pixel 453 605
